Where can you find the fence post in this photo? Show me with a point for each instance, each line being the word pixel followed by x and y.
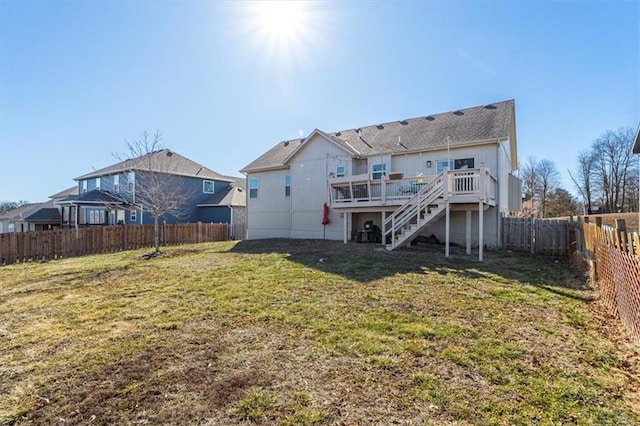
pixel 125 238
pixel 621 235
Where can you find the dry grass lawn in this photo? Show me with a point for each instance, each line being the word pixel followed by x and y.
pixel 309 332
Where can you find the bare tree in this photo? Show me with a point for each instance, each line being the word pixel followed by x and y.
pixel 583 179
pixel 539 178
pixel 548 180
pixel 613 167
pixel 529 176
pixel 158 189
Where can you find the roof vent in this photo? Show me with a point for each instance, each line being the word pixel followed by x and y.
pixel 338 133
pixel 458 112
pixel 379 127
pixel 490 106
pixel 169 153
pixel 285 143
pixel 239 189
pixel 429 118
pixel 302 140
pixel 404 122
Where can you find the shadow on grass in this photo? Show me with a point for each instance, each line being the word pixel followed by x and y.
pixel 369 262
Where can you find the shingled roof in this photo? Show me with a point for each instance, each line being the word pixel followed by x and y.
pixel 168 160
pixel 233 196
pixel 481 123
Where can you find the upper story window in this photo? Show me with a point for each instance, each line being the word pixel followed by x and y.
pixel 464 163
pixel 287 185
pixel 116 183
pixel 340 171
pixel 133 215
pixel 97 183
pixel 440 165
pixel 254 183
pixel 378 171
pixel 83 185
pixel 208 187
pixel 460 163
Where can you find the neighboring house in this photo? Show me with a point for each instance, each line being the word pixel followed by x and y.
pixel 118 193
pixel 35 216
pixel 446 174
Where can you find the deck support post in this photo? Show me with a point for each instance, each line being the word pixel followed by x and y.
pixel 384 230
pixel 480 230
pixel 468 231
pixel 446 232
pixel 345 227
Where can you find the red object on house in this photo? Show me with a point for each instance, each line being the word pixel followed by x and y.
pixel 325 214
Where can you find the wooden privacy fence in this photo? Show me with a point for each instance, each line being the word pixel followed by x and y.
pixel 614 256
pixel 538 236
pixel 62 243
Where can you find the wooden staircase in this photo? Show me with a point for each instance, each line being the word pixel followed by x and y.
pixel 411 218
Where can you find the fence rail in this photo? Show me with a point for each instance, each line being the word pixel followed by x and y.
pixel 62 243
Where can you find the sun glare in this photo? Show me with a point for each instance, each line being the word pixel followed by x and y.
pixel 280 21
pixel 282 31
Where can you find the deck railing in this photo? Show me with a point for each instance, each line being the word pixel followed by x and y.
pixel 469 185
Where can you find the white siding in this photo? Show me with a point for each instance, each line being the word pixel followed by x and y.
pixel 269 215
pixel 457 234
pixel 310 168
pixel 272 215
pixel 416 163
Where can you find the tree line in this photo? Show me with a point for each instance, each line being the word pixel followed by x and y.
pixel 606 180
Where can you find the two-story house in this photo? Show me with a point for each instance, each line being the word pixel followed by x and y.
pixel 448 174
pixel 124 193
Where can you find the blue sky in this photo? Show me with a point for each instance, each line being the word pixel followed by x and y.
pixel 77 79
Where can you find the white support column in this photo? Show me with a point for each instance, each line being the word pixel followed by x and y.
pixel 468 231
pixel 346 227
pixel 384 231
pixel 480 230
pixel 445 196
pixel 446 232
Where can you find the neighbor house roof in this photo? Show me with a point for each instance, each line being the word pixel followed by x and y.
pixel 636 143
pixel 233 196
pixel 66 193
pixel 20 213
pixel 165 161
pixel 94 197
pixel 45 215
pixel 471 125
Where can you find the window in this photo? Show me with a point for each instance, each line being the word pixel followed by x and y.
pixel 463 163
pixel 84 186
pixel 97 183
pixel 287 185
pixel 253 187
pixel 340 171
pixel 207 187
pixel 130 187
pixel 133 216
pixel 440 165
pixel 116 183
pixel 378 171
